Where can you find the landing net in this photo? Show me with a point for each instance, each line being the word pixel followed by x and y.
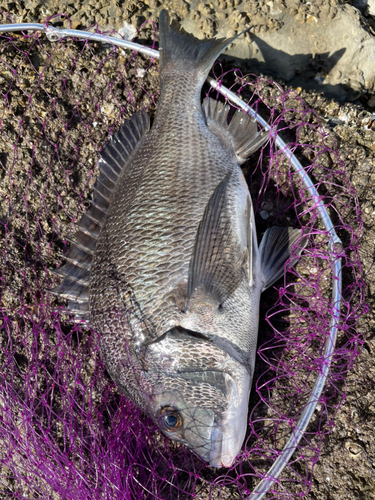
pixel 65 431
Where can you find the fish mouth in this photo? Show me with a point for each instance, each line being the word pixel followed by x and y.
pixel 225 445
pixel 220 456
pixel 227 429
pixel 228 435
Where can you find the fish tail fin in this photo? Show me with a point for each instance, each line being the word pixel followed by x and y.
pixel 176 46
pixel 275 249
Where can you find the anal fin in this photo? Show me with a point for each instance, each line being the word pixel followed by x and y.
pixel 241 133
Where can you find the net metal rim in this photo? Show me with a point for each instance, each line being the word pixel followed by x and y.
pixel 336 247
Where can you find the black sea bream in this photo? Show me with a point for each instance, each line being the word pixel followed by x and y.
pixel 166 265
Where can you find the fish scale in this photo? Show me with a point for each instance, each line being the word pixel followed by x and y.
pixel 197 175
pixel 166 265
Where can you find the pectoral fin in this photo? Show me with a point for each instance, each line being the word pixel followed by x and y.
pixel 216 265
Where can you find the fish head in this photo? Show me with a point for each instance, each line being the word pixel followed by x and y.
pixel 199 396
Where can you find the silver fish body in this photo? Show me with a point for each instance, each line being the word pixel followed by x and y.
pixel 166 265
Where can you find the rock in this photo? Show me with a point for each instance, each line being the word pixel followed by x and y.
pixel 323 44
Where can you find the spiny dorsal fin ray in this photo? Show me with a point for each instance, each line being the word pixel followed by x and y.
pixel 216 264
pixel 79 257
pixel 250 235
pixel 82 241
pixel 100 201
pixel 74 273
pixel 103 190
pixel 89 226
pixel 80 310
pixel 275 249
pixel 113 161
pixel 78 316
pixel 106 169
pixel 72 290
pixel 241 133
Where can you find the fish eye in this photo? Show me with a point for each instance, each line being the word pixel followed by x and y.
pixel 169 418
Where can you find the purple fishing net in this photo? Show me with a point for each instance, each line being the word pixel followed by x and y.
pixel 66 432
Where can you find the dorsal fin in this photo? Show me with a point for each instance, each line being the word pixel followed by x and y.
pixel 114 159
pixel 241 133
pixel 216 266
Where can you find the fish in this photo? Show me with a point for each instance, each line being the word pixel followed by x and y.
pixel 165 265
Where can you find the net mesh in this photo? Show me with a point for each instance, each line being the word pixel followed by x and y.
pixel 65 430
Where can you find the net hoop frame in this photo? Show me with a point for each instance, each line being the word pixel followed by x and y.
pixel 335 244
